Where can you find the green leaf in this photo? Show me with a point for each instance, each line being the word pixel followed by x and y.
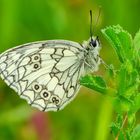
pixel 131 121
pixel 121 41
pixel 127 83
pixel 115 128
pixel 136 106
pixel 122 80
pixel 136 133
pixel 137 48
pixel 137 41
pixel 94 82
pixel 122 104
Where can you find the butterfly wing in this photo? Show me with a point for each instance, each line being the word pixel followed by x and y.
pixel 44 73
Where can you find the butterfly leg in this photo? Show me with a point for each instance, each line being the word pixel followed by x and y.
pixel 110 67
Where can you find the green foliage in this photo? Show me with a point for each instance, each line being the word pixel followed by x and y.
pixel 94 82
pixel 121 41
pixel 137 49
pixel 136 133
pixel 126 79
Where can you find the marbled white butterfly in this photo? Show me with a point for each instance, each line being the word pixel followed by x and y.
pixel 47 73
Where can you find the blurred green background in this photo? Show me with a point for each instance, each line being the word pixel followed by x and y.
pixel 87 117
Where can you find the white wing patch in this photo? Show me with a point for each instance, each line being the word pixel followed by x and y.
pixel 46 74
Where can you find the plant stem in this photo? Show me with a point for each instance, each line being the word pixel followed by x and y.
pixel 124 121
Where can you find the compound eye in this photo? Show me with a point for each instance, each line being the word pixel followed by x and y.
pixel 94 43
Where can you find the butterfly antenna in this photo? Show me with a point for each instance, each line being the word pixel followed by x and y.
pixel 97 19
pixel 91 30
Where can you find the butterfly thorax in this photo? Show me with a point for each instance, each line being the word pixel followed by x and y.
pixel 91 56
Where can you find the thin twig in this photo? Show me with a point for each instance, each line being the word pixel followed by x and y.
pixel 124 121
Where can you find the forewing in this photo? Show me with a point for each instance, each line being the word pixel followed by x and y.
pixel 44 73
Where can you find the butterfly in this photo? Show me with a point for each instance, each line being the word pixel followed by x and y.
pixel 47 73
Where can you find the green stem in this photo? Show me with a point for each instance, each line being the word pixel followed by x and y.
pixel 124 121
